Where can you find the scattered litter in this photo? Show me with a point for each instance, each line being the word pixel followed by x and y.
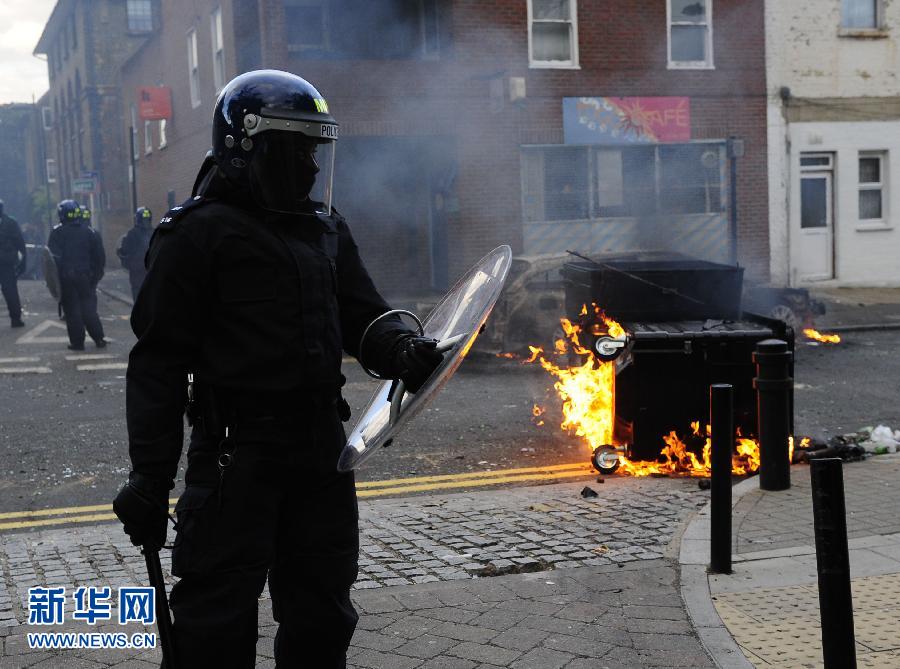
pixel 482 462
pixel 704 484
pixel 587 491
pixel 600 479
pixel 600 550
pixel 526 450
pixel 882 440
pixel 549 582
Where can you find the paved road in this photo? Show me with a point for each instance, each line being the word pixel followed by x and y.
pixel 62 441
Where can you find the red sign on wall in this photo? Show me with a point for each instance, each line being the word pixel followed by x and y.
pixel 155 103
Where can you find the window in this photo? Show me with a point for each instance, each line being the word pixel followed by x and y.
pixel 163 139
pixel 140 16
pixel 690 34
pixel 581 182
pixel 553 33
pixel 859 14
pixel 871 187
pixel 47 117
pixel 134 134
pixel 193 69
pixel 218 49
pixel 148 138
pixel 52 174
pixel 306 21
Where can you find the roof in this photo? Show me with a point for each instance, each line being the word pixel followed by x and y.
pixel 51 27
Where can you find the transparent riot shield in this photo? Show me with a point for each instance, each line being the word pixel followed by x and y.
pixel 455 322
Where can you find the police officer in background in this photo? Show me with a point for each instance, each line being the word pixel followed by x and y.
pixel 133 247
pixel 255 285
pixel 12 265
pixel 80 260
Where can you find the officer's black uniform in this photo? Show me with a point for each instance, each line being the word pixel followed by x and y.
pixel 133 247
pixel 12 265
pixel 257 306
pixel 80 259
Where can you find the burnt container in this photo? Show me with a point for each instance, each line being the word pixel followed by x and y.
pixel 667 289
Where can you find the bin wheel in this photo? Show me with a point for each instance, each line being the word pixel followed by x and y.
pixel 605 460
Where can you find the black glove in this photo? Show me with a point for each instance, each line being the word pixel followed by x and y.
pixel 143 507
pixel 20 269
pixel 414 359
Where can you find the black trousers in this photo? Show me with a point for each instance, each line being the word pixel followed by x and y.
pixel 10 291
pixel 279 510
pixel 79 302
pixel 136 279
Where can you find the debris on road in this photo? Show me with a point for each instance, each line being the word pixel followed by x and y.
pixel 587 491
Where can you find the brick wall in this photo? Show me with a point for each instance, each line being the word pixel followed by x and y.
pixel 622 50
pixel 164 62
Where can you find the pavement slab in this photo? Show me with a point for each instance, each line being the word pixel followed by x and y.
pixel 769 605
pixel 572 616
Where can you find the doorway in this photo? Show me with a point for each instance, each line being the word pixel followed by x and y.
pixel 815 252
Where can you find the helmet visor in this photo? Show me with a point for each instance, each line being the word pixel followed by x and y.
pixel 292 173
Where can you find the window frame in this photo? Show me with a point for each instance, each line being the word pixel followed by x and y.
pixel 573 62
pixel 162 129
pixel 148 138
pixel 880 186
pixel 217 38
pixel 135 147
pixel 593 202
pixel 136 23
pixel 709 63
pixel 879 20
pixel 193 68
pixel 52 171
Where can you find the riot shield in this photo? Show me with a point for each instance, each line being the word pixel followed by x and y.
pixel 455 322
pixel 51 274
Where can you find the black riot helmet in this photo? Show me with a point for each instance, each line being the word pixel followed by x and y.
pixel 142 217
pixel 68 211
pixel 274 136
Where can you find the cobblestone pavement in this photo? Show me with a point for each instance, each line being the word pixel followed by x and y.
pixel 577 579
pixel 770 603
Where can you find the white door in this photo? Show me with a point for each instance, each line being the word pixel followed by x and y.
pixel 815 257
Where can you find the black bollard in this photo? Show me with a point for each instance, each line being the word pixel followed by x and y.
pixel 833 561
pixel 721 419
pixel 773 384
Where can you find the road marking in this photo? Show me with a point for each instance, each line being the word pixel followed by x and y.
pixel 13 361
pixel 36 334
pixel 472 483
pixel 469 475
pixel 91 356
pixel 102 512
pixel 25 370
pixel 102 366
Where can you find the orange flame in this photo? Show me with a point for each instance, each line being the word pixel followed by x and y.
pixel 508 356
pixel 588 391
pixel 815 335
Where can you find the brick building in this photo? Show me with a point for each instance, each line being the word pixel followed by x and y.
pixel 85 43
pixel 545 124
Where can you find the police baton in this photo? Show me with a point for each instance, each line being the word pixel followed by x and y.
pixel 163 618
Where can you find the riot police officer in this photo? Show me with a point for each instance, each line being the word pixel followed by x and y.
pixel 80 260
pixel 133 247
pixel 255 285
pixel 12 265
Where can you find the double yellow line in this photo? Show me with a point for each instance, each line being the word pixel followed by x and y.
pixel 15 520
